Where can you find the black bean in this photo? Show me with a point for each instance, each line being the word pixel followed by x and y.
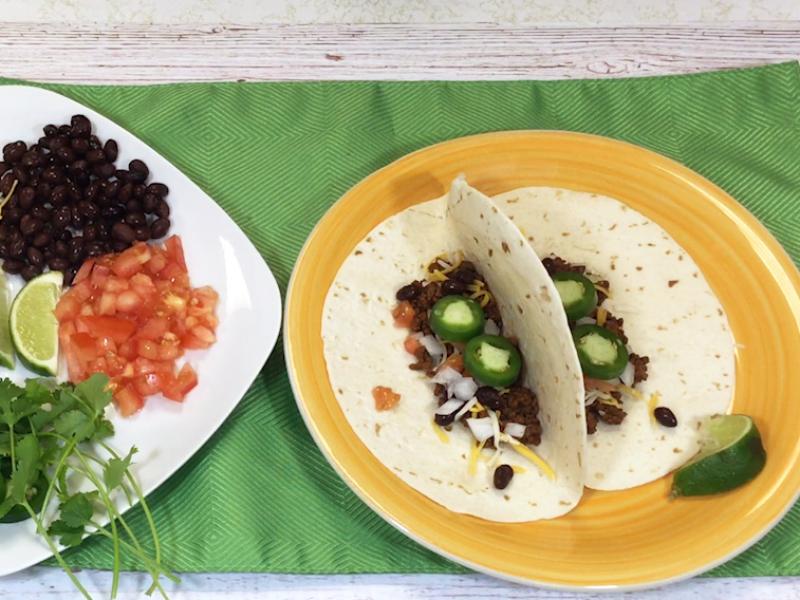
pixel 138 166
pixel 103 230
pixel 136 219
pixel 113 211
pixel 58 142
pixel 88 209
pixel 44 142
pixel 488 397
pixel 502 476
pixel 59 195
pixel 35 256
pixel 13 266
pixel 62 217
pixel 80 146
pixel 77 218
pixel 119 246
pixel 6 182
pixel 91 191
pixel 40 212
pixel 139 190
pixel 409 292
pixel 454 286
pixel 94 142
pixel 16 248
pixel 44 191
pixel 150 203
pixel 53 175
pixel 159 228
pixel 64 129
pixel 665 416
pixel 30 271
pixel 122 174
pixel 111 189
pixel 90 232
pixel 125 192
pixel 111 149
pixel 162 210
pixel 94 249
pixel 27 195
pixel 104 170
pixel 50 130
pixel 58 264
pixel 445 420
pixel 81 126
pixel 123 232
pixel 13 152
pixel 4 166
pixel 12 215
pixel 65 154
pixel 60 248
pixel 42 239
pixel 21 175
pixel 29 225
pixel 96 156
pixel 133 206
pixel 69 275
pixel 159 189
pixel 76 248
pixel 142 233
pixel 65 235
pixel 78 166
pixel 3 250
pixel 30 159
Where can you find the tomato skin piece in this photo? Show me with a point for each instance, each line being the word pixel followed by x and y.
pixel 84 271
pixel 116 328
pixel 128 401
pixel 174 248
pixel 84 347
pixel 403 314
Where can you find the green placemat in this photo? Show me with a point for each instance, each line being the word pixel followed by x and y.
pixel 259 496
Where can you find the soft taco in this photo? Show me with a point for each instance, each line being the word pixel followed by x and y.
pixel 460 380
pixel 636 301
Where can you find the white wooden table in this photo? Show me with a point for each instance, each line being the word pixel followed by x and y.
pixel 171 53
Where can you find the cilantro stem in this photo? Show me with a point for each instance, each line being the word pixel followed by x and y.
pixel 54 549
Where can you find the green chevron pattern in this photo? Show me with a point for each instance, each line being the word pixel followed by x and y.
pixel 276 156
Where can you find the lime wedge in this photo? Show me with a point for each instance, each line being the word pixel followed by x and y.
pixel 6 348
pixel 34 327
pixel 731 454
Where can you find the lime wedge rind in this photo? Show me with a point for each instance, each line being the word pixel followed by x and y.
pixel 33 325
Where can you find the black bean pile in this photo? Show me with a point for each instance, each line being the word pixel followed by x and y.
pixel 71 202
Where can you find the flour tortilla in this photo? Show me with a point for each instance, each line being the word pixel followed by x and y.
pixel 671 315
pixel 363 349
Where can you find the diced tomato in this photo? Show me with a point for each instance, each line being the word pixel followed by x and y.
pixel 185 381
pixel 131 260
pixel 385 398
pixel 412 344
pixel 84 346
pixel 174 249
pixel 172 272
pixel 128 400
pixel 87 310
pixel 106 304
pixel 116 328
pixel 403 314
pixel 82 291
pixel 143 285
pixel 67 308
pixel 147 349
pixel 127 350
pixel 84 271
pixel 147 384
pixel 115 285
pixel 169 350
pixel 153 329
pixel 100 275
pixel 128 301
pixel 157 263
pixel 454 361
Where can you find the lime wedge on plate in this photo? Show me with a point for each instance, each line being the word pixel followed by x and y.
pixel 6 347
pixel 731 454
pixel 34 327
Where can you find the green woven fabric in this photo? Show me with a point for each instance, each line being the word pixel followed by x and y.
pixel 259 496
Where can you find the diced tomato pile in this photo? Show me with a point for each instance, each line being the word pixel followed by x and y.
pixel 131 316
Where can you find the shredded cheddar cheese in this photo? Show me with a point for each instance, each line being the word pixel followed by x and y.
pixel 523 450
pixel 629 391
pixel 611 401
pixel 652 403
pixel 519 470
pixel 437 276
pixel 440 433
pixel 474 454
pixel 602 313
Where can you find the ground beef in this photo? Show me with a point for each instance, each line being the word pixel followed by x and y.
pixel 598 411
pixel 614 325
pixel 639 367
pixel 440 392
pixel 555 264
pixel 520 405
pixel 423 362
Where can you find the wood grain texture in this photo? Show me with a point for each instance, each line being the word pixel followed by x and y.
pixel 171 53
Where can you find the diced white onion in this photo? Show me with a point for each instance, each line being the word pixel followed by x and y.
pixel 446 376
pixel 449 407
pixel 627 375
pixel 516 430
pixel 586 321
pixel 481 428
pixel 434 347
pixel 495 428
pixel 463 388
pixel 491 328
pixel 465 409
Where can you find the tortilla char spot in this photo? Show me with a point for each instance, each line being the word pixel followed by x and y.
pixel 398 469
pixel 433 479
pixel 595 445
pixel 345 357
pixel 505 247
pixel 383 322
pixel 613 266
pixel 369 239
pixel 662 438
pixel 680 257
pixel 717 356
pixel 565 234
pixel 544 293
pixel 481 215
pixel 651 244
pixel 638 268
pixel 339 390
pixel 519 308
pixel 528 296
pixel 491 252
pixel 377 430
pixel 533 504
pixel 677 450
pixel 521 243
pixel 512 200
pixel 563 503
pixel 695 274
pixel 599 476
pixel 719 312
pixel 672 282
pixel 358 253
pixel 335 295
pixel 530 238
pixel 465 490
pixel 613 227
pixel 641 288
pixel 494 209
pixel 363 294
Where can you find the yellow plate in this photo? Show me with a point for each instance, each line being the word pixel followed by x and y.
pixel 630 539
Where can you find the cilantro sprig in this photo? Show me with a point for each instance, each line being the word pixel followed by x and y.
pixel 48 434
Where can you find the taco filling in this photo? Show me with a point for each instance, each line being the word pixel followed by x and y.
pixel 611 370
pixel 456 338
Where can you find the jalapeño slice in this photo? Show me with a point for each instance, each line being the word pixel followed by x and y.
pixel 457 318
pixel 601 352
pixel 492 360
pixel 578 294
